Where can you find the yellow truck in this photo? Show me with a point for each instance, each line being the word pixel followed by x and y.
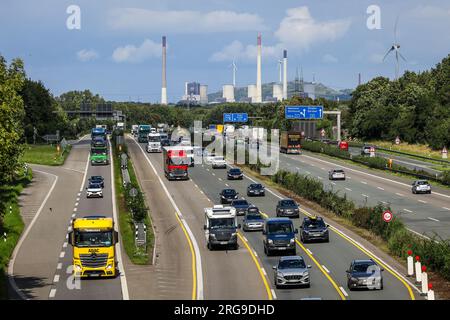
pixel 93 240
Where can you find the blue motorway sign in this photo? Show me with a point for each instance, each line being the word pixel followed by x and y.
pixel 303 112
pixel 235 117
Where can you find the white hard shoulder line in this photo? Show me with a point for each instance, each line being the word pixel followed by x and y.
pixel 191 235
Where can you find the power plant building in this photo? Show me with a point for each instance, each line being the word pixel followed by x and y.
pixel 228 93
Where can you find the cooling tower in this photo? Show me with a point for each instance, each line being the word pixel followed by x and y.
pixel 278 92
pixel 251 90
pixel 228 92
pixel 258 93
pixel 284 74
pixel 203 94
pixel 164 80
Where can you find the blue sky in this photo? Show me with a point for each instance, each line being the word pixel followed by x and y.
pixel 117 53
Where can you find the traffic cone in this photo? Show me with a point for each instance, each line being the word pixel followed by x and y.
pixel 410 263
pixel 418 266
pixel 424 281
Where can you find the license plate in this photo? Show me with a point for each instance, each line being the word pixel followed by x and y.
pixel 223 242
pixel 282 248
pixel 95 275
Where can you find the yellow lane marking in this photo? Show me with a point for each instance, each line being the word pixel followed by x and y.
pixel 408 287
pixel 263 277
pixel 194 273
pixel 317 263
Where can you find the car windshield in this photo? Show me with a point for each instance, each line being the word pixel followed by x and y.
pixel 229 192
pixel 94 186
pixel 222 223
pixel 218 158
pixel 311 223
pixel 292 264
pixel 422 183
pixel 287 203
pixel 253 216
pixel 240 203
pixel 96 178
pixel 235 171
pixel 255 186
pixel 279 228
pixel 93 239
pixel 364 267
pixel 338 171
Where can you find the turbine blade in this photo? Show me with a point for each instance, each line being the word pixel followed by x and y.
pixel 404 59
pixel 395 28
pixel 389 51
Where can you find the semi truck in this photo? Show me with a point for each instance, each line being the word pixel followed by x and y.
pixel 93 241
pixel 290 142
pixel 98 132
pixel 154 142
pixel 134 129
pixel 176 162
pixel 221 227
pixel 143 131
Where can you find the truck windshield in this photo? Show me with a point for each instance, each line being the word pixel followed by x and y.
pixel 179 161
pixel 279 228
pixel 154 139
pixel 222 223
pixel 93 239
pixel 98 151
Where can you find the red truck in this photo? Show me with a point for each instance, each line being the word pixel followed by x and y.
pixel 176 162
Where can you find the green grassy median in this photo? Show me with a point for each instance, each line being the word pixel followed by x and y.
pixel 45 154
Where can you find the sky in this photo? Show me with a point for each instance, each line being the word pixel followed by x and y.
pixel 115 49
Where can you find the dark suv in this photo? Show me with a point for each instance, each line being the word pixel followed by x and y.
pixel 227 196
pixel 241 206
pixel 279 235
pixel 364 274
pixel 287 208
pixel 97 179
pixel 314 228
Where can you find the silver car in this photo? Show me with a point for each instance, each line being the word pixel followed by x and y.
pixel 364 274
pixel 291 271
pixel 94 191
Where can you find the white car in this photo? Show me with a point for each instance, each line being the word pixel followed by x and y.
pixel 209 157
pixel 94 190
pixel 421 186
pixel 218 162
pixel 336 174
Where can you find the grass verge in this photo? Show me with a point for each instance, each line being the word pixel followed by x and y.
pixel 45 155
pixel 10 223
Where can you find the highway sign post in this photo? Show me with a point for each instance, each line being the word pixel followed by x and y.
pixel 372 152
pixel 235 117
pixel 387 216
pixel 303 112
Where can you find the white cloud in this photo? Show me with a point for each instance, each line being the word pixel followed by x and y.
pixel 142 20
pixel 237 51
pixel 87 55
pixel 376 58
pixel 130 53
pixel 429 12
pixel 329 58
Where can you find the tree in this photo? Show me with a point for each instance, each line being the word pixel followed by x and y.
pixel 12 78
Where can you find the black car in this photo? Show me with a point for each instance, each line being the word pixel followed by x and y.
pixel 364 274
pixel 235 173
pixel 97 179
pixel 241 206
pixel 314 228
pixel 287 208
pixel 256 189
pixel 228 195
pixel 165 142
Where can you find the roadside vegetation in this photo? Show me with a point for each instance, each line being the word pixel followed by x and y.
pixel 45 154
pixel 131 209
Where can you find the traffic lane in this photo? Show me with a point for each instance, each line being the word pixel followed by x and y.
pixel 211 186
pixel 170 277
pixel 223 271
pixel 90 289
pixel 336 255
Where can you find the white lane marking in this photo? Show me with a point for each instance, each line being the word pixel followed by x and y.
pixel 202 192
pixel 420 235
pixel 273 293
pixel 227 184
pixel 123 277
pixel 56 278
pixel 363 182
pixel 59 266
pixel 62 254
pixel 343 291
pixel 383 202
pixel 24 236
pixel 207 169
pixel 76 204
pixel 220 179
pixel 73 215
pixel 399 194
pixel 349 177
pixel 78 199
pixel 79 194
pixel 445 208
pixel 323 168
pixel 307 172
pixel 297 168
pixel 195 185
pixel 433 219
pixel 85 174
pixel 320 178
pixel 365 195
pixel 188 229
pixel 65 245
pixel 422 201
pixel 407 210
pixel 213 174
pixel 370 175
pixel 52 293
pixel 312 165
pixel 75 209
pixel 309 251
pixel 254 252
pixel 333 183
pixel 348 189
pixel 325 268
pixel 380 188
pixel 69 228
pixel 264 271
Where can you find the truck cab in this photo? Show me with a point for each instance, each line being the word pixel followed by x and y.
pixel 290 142
pixel 143 131
pixel 99 156
pixel 176 162
pixel 221 227
pixel 93 240
pixel 279 236
pixel 154 142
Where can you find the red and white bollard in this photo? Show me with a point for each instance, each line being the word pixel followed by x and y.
pixel 430 294
pixel 410 263
pixel 424 281
pixel 418 266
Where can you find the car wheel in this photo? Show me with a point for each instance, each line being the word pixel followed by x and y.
pixel 429 192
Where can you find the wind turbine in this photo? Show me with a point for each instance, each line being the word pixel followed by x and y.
pixel 234 68
pixel 280 67
pixel 395 48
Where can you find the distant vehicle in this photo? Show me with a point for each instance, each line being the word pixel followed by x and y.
pixel 176 163
pixel 153 130
pixel 208 157
pixel 228 195
pixel 98 141
pixel 134 129
pixel 165 142
pixel 219 162
pixel 365 150
pixel 241 206
pixel 364 274
pixel 279 235
pixel 314 228
pixel 421 186
pixel 256 189
pixel 234 174
pixel 290 142
pixel 154 142
pixel 291 271
pixel 287 208
pixel 336 174
pixel 93 240
pixel 343 145
pixel 253 220
pixel 120 126
pixel 98 132
pixel 97 179
pixel 94 190
pixel 143 131
pixel 221 227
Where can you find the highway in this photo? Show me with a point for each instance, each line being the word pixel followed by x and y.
pixel 328 260
pixel 427 214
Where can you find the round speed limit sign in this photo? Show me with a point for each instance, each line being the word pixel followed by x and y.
pixel 387 216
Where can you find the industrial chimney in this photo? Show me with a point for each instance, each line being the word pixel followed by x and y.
pixel 258 93
pixel 164 81
pixel 285 74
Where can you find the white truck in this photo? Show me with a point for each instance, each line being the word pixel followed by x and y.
pixel 154 142
pixel 134 129
pixel 221 227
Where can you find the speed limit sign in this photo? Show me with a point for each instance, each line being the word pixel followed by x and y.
pixel 387 216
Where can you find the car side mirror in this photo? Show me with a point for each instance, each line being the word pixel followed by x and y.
pixel 71 239
pixel 204 227
pixel 296 231
pixel 309 266
pixel 116 237
pixel 239 226
pixel 328 225
pixel 348 271
pixel 382 269
pixel 274 267
pixel 86 188
pixel 264 232
pixel 301 227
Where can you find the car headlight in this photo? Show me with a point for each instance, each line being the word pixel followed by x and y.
pixel 234 234
pixel 280 275
pixel 296 210
pixel 212 235
pixel 270 241
pixel 78 267
pixel 235 197
pixel 292 241
pixel 354 279
pixel 109 267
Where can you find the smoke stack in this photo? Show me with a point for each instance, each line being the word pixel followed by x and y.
pixel 164 80
pixel 359 79
pixel 258 94
pixel 285 74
